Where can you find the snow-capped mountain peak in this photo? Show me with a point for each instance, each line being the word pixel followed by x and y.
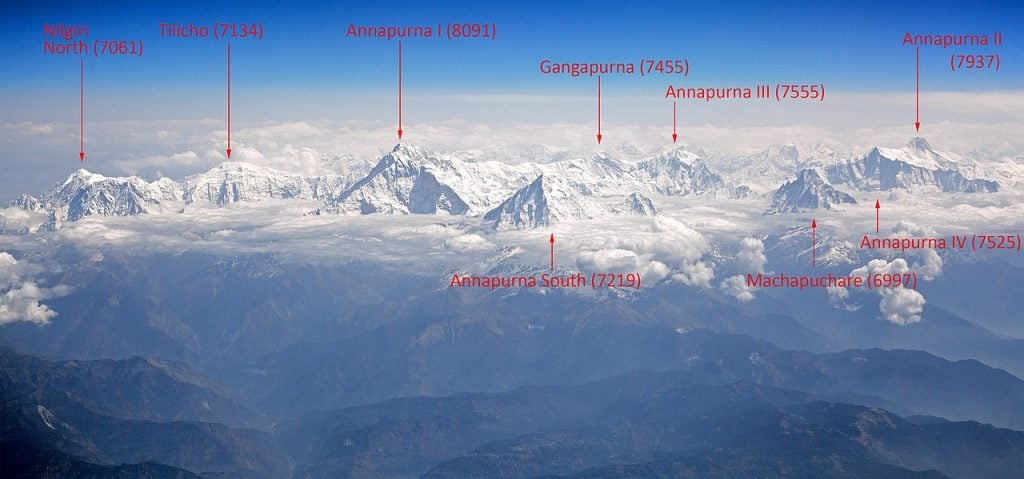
pixel 233 182
pixel 918 152
pixel 387 188
pixel 682 172
pixel 404 157
pixel 84 193
pixel 637 204
pixel 919 144
pixel 543 201
pixel 915 166
pixel 83 175
pixel 807 191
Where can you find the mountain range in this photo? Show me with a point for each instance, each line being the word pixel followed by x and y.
pixel 140 417
pixel 210 336
pixel 408 180
pixel 914 167
pixel 716 405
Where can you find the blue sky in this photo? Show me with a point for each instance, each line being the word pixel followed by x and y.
pixel 166 110
pixel 849 46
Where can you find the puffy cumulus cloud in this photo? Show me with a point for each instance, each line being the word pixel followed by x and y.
pixel 655 271
pixel 11 270
pixel 697 273
pixel 930 265
pixel 22 303
pixel 736 286
pixel 837 297
pixel 750 259
pixel 751 256
pixel 901 306
pixel 676 242
pixel 7 265
pixel 898 305
pixel 608 260
pixel 21 297
pixel 881 266
pixel 655 250
pixel 616 260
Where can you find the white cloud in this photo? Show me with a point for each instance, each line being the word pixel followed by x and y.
pixel 616 260
pixel 675 241
pixel 40 151
pixel 655 249
pixel 750 259
pixel 21 303
pixel 736 286
pixel 930 266
pixel 904 228
pixel 697 273
pixel 16 220
pixel 899 305
pixel 468 242
pixel 607 260
pixel 837 298
pixel 20 296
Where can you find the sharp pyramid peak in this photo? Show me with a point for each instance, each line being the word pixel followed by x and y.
pixel 918 143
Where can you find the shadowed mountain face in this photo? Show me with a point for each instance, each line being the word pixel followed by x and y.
pixel 294 339
pixel 258 367
pixel 913 167
pixel 730 397
pixel 20 457
pixel 135 417
pixel 145 389
pixel 807 192
pixel 642 423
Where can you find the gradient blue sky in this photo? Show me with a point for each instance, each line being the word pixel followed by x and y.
pixel 849 46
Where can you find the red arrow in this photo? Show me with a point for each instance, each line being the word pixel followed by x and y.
pixel 814 225
pixel 81 114
pixel 229 101
pixel 399 89
pixel 674 136
pixel 599 109
pixel 917 100
pixel 877 206
pixel 552 241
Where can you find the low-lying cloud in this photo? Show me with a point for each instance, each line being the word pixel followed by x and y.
pixel 898 305
pixel 21 296
pixel 750 259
